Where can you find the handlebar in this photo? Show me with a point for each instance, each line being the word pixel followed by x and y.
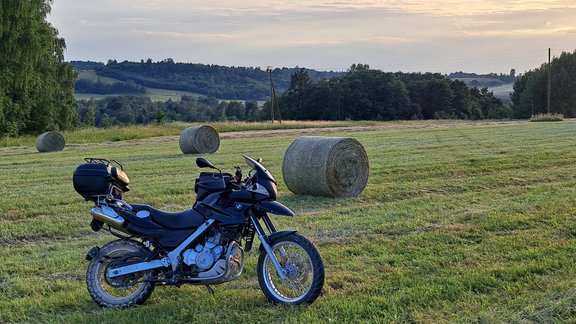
pixel 237 181
pixel 238 174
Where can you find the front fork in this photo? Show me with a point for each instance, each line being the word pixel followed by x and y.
pixel 266 243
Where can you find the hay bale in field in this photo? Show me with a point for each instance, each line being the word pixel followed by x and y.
pixel 199 139
pixel 50 142
pixel 325 166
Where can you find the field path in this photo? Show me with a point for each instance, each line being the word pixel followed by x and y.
pixel 389 125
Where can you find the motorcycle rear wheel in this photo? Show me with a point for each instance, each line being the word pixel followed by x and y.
pixel 120 292
pixel 304 271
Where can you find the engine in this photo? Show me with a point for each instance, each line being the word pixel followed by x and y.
pixel 203 256
pixel 217 258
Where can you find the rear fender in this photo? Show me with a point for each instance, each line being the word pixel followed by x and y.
pixel 94 254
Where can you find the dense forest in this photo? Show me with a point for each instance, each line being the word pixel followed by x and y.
pixel 127 110
pixel 36 84
pixel 530 90
pixel 366 94
pixel 359 94
pixel 230 83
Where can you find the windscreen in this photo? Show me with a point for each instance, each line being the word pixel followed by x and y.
pixel 260 169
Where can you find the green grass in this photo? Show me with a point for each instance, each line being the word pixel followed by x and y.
pixel 115 134
pixel 470 223
pixel 154 94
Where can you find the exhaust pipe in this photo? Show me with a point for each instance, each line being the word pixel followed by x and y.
pixel 108 216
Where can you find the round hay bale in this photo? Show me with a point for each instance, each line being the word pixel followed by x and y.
pixel 325 166
pixel 50 142
pixel 199 140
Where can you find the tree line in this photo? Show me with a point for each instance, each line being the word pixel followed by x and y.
pixel 530 94
pixel 99 87
pixel 36 84
pixel 360 94
pixel 230 83
pixel 128 110
pixel 366 94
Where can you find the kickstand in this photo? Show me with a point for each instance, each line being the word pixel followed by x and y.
pixel 210 289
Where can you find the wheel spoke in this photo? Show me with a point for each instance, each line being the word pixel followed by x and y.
pixel 302 266
pixel 297 264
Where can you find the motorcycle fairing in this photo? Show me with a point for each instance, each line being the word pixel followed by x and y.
pixel 274 207
pixel 222 209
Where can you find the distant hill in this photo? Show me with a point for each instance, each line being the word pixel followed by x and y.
pixel 500 84
pixel 167 79
pixel 230 83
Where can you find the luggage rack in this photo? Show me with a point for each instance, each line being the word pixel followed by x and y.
pixel 104 161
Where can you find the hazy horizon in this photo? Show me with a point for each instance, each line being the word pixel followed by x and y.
pixel 390 35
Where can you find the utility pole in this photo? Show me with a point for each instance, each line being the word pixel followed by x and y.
pixel 269 69
pixel 273 102
pixel 549 82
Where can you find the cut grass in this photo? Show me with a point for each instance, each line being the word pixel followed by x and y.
pixel 154 94
pixel 115 134
pixel 473 223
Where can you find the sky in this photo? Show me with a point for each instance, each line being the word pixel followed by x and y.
pixel 391 35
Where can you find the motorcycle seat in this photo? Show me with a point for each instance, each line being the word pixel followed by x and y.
pixel 185 219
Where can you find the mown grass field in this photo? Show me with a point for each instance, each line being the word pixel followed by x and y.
pixel 115 134
pixel 469 223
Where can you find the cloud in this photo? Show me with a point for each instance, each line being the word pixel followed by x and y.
pixel 522 33
pixel 327 33
pixel 186 35
pixel 149 6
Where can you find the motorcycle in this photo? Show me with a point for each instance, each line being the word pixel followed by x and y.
pixel 204 245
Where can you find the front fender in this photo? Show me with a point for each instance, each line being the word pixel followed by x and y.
pixel 274 207
pixel 277 235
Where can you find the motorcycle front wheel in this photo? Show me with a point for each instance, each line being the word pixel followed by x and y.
pixel 119 292
pixel 302 266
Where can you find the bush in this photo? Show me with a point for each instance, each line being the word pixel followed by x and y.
pixel 547 118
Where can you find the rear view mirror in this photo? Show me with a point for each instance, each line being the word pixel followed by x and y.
pixel 203 163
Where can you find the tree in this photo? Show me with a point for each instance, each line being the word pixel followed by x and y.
pixel 299 83
pixel 90 117
pixel 105 121
pixel 365 94
pixel 488 105
pixel 358 68
pixel 251 110
pixel 530 90
pixel 235 110
pixel 432 95
pixel 36 85
pixel 160 118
